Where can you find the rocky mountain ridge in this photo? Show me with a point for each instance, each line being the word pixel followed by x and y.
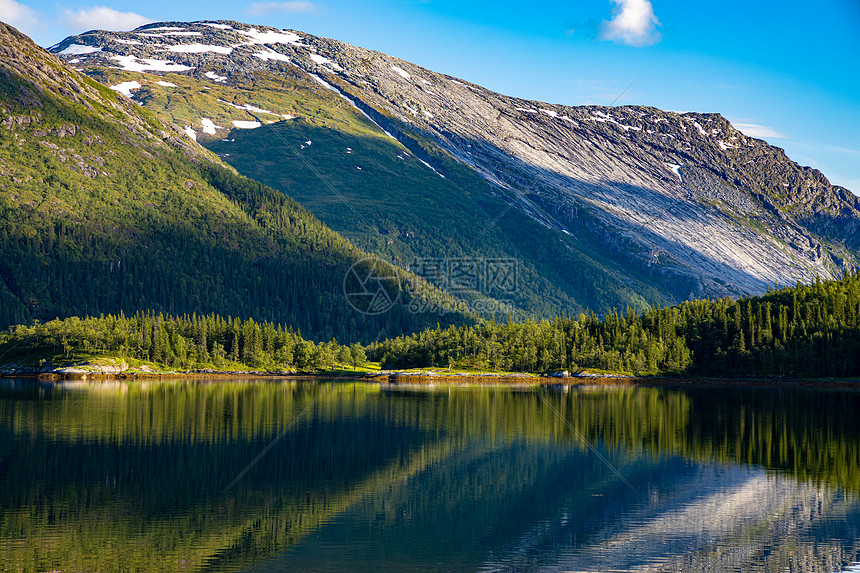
pixel 684 202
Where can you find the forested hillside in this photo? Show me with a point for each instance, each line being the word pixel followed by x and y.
pixel 811 330
pixel 103 209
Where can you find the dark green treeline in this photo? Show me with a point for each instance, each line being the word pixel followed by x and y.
pixel 811 330
pixel 180 342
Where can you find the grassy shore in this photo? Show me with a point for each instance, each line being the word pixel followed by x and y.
pixel 85 366
pixel 95 367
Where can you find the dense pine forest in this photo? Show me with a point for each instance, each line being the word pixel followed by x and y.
pixel 182 342
pixel 805 330
pixel 811 330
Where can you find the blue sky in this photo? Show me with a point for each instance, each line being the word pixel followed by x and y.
pixel 785 71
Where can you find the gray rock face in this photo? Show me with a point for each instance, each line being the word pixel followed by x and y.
pixel 684 198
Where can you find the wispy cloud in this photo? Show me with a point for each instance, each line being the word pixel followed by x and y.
pixel 22 17
pixel 633 23
pixel 760 131
pixel 103 18
pixel 292 7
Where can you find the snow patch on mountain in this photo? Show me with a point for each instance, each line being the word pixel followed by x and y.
pixel 125 88
pixel 401 72
pixel 246 124
pixel 166 84
pixel 701 130
pixel 128 42
pixel 80 49
pixel 273 37
pixel 209 125
pixel 272 55
pixel 322 61
pixel 163 34
pixel 602 117
pixel 676 169
pixel 190 132
pixel 199 49
pixel 255 109
pixel 216 77
pixel 132 64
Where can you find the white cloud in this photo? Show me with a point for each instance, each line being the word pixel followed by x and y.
pixel 22 17
pixel 103 18
pixel 633 23
pixel 759 131
pixel 293 7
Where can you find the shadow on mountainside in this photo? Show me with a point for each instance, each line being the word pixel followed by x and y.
pixel 384 199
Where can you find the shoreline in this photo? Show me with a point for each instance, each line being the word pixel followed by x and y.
pixel 433 378
pixel 416 379
pixel 136 375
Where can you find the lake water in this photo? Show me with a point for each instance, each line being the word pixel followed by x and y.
pixel 272 475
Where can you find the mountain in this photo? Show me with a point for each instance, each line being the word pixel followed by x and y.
pixel 597 207
pixel 103 208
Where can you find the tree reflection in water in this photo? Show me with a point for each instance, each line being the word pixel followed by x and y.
pixel 132 476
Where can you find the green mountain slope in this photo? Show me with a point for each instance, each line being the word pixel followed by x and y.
pixel 382 196
pixel 103 208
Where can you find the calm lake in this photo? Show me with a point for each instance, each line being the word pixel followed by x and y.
pixel 273 475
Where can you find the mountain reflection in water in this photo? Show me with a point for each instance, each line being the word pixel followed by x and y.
pixel 134 477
